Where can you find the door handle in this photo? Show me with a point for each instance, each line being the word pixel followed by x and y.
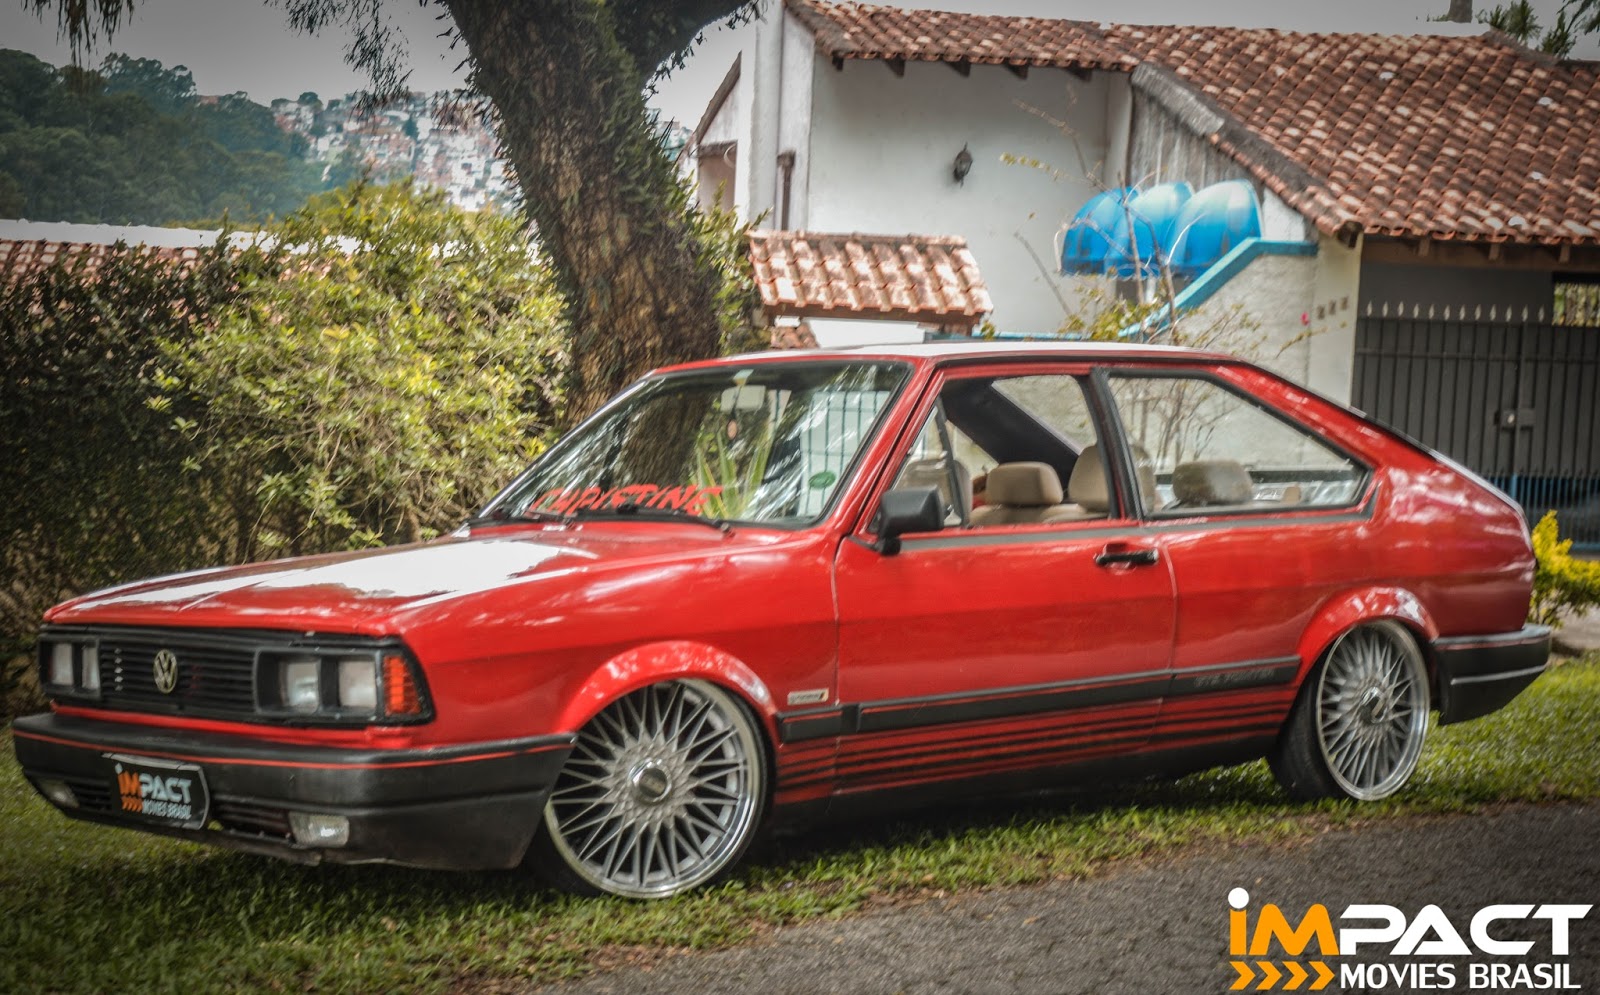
pixel 1132 557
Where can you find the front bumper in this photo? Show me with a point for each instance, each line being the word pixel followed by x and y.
pixel 459 807
pixel 1481 674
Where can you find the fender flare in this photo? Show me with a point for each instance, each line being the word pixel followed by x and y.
pixel 1350 608
pixel 668 660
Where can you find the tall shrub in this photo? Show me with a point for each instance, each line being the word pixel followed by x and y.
pixel 379 377
pixel 93 487
pixel 373 378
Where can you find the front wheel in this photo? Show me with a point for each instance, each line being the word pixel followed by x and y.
pixel 1358 726
pixel 663 792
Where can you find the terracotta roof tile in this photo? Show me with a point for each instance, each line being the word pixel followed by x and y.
pixel 865 31
pixel 793 337
pixel 23 257
pixel 894 277
pixel 1446 137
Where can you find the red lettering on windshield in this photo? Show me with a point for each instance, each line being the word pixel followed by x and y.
pixel 566 500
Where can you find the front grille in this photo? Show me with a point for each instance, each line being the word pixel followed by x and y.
pixel 216 668
pixel 213 679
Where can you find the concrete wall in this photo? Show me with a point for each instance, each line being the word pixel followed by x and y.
pixel 1295 315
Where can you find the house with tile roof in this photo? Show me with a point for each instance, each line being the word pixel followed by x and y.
pixel 1428 205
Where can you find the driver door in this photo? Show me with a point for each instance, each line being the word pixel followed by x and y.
pixel 1039 640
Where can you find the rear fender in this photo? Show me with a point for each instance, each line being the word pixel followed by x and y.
pixel 1348 609
pixel 666 661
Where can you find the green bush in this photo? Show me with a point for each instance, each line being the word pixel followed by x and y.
pixel 93 490
pixel 1562 585
pixel 377 376
pixel 377 380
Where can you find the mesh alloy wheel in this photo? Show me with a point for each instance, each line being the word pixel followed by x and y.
pixel 662 793
pixel 1372 710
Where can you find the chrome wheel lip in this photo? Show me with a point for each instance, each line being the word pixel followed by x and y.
pixel 1372 710
pixel 662 792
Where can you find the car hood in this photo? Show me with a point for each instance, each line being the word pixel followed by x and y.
pixel 364 591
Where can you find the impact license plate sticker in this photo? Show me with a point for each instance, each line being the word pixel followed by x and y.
pixel 164 791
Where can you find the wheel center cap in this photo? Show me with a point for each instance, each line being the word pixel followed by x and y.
pixel 1374 706
pixel 650 782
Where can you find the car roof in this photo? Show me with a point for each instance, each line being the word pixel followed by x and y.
pixel 936 352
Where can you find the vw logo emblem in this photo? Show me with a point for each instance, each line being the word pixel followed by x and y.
pixel 165 668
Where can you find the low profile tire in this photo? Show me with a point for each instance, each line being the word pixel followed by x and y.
pixel 663 792
pixel 1357 728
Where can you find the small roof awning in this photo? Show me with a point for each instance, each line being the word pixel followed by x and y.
pixel 926 279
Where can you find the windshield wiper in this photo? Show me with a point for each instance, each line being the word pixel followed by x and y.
pixel 533 517
pixel 655 515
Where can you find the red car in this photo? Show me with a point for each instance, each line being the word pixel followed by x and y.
pixel 768 585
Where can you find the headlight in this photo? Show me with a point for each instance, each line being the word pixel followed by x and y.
pixel 358 682
pixel 69 667
pixel 301 684
pixel 61 665
pixel 90 676
pixel 341 685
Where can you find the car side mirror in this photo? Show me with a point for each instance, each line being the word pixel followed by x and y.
pixel 907 509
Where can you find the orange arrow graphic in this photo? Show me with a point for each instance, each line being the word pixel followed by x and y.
pixel 1245 974
pixel 1297 974
pixel 1324 975
pixel 1269 976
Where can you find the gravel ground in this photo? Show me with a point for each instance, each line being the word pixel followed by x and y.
pixel 1162 927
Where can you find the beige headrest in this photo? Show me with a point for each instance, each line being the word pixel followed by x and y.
pixel 1024 485
pixel 1087 485
pixel 1208 482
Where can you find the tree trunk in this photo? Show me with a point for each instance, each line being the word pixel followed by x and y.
pixel 1460 11
pixel 611 216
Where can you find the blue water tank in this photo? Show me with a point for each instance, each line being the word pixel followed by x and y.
pixel 1088 238
pixel 1212 223
pixel 1142 238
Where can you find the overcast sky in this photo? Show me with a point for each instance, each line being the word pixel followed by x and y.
pixel 246 45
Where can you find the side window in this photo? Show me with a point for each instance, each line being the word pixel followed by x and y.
pixel 1209 448
pixel 931 463
pixel 1018 450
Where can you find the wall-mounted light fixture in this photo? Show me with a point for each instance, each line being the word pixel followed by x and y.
pixel 963 165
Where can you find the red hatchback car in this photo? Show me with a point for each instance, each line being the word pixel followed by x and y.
pixel 776 583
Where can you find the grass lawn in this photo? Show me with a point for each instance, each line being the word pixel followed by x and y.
pixel 88 909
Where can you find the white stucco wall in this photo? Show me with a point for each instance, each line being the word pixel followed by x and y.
pixel 881 154
pixel 1293 314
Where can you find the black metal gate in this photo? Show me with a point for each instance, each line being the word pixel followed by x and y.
pixel 1518 402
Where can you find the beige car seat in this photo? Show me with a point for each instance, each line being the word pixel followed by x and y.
pixel 1029 492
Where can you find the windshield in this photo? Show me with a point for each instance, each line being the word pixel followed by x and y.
pixel 769 443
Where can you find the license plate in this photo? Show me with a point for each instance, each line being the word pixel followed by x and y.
pixel 163 791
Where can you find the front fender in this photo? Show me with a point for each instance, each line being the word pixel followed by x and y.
pixel 665 661
pixel 1350 608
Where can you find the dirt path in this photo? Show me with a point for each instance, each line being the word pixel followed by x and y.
pixel 1163 927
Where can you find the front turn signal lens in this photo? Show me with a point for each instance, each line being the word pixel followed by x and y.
pixel 400 694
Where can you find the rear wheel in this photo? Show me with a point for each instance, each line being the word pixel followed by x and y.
pixel 663 792
pixel 1358 726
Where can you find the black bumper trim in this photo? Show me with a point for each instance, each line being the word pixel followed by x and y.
pixel 467 807
pixel 1481 674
